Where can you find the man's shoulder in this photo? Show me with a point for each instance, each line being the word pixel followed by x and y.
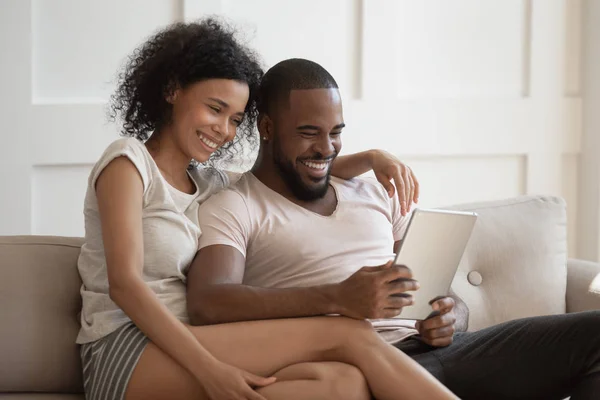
pixel 235 195
pixel 363 186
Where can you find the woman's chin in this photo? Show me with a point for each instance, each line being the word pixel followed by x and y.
pixel 202 156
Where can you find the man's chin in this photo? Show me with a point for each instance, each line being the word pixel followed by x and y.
pixel 316 181
pixel 304 186
pixel 314 190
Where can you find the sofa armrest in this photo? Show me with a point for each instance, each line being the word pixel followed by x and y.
pixel 583 285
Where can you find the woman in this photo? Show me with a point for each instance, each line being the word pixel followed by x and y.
pixel 142 232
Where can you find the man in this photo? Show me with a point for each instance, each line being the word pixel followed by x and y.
pixel 288 240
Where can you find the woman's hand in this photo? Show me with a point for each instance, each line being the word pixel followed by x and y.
pixel 387 168
pixel 223 381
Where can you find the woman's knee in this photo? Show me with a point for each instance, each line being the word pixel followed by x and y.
pixel 330 380
pixel 347 335
pixel 349 329
pixel 346 382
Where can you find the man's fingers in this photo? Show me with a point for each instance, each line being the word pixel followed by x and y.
pixel 440 332
pixel 401 285
pixel 439 321
pixel 435 299
pixel 439 337
pixel 442 304
pixel 378 268
pixel 399 301
pixel 396 272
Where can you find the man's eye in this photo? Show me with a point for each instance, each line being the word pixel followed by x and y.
pixel 336 133
pixel 308 134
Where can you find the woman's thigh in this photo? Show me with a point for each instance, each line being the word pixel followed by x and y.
pixel 260 347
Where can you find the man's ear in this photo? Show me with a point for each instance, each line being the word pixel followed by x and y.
pixel 265 126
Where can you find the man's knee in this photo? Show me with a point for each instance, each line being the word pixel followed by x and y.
pixel 345 382
pixel 591 319
pixel 586 324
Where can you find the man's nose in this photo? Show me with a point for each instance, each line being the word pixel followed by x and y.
pixel 325 146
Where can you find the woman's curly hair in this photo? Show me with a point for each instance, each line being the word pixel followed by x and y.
pixel 175 57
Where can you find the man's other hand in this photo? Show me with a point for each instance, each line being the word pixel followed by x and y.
pixel 438 329
pixel 375 292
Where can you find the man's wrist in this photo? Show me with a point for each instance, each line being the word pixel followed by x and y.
pixel 329 295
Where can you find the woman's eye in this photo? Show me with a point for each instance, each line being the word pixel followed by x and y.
pixel 215 109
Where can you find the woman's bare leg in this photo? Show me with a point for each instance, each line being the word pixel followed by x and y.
pixel 318 381
pixel 265 347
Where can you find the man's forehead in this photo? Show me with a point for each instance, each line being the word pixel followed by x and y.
pixel 314 107
pixel 310 96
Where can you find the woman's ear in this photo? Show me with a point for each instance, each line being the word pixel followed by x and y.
pixel 171 93
pixel 171 97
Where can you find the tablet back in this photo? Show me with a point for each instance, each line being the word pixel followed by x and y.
pixel 432 248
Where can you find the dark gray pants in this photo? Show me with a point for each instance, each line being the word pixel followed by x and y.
pixel 549 357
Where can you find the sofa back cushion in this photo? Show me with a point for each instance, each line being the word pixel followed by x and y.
pixel 515 263
pixel 40 301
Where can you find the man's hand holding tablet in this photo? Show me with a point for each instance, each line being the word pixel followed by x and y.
pixel 432 248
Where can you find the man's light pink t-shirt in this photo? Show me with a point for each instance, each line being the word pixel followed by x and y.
pixel 286 245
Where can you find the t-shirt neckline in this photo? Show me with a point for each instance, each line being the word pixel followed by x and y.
pixel 177 191
pixel 331 183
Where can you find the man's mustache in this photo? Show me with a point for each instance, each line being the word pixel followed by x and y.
pixel 319 157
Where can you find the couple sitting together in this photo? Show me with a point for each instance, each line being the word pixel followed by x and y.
pixel 200 284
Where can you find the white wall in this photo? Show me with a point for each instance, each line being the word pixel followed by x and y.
pixel 481 97
pixel 589 193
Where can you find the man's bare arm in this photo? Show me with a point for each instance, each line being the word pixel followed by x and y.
pixel 215 293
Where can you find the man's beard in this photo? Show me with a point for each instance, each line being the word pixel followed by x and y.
pixel 293 180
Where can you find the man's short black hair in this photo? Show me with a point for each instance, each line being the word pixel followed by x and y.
pixel 288 75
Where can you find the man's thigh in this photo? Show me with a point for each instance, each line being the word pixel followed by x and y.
pixel 532 358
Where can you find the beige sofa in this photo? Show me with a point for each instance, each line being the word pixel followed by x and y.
pixel 515 266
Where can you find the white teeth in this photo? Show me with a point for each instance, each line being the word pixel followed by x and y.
pixel 209 143
pixel 316 165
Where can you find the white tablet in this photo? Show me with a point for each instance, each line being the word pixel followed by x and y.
pixel 433 245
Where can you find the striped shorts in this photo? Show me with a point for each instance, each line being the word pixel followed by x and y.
pixel 109 362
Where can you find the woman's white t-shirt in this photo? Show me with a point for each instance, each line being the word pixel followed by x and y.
pixel 170 234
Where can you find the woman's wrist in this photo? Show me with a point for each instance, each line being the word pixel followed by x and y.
pixel 370 157
pixel 204 365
